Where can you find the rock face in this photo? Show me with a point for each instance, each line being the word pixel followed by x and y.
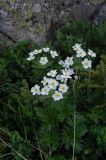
pixel 35 19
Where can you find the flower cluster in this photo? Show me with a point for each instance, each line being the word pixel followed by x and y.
pixel 87 63
pixel 50 84
pixel 43 59
pixel 55 82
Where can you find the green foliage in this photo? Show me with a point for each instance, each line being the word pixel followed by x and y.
pixel 39 128
pixel 80 131
pixel 57 157
pixel 81 32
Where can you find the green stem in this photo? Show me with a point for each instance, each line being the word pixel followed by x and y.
pixel 41 156
pixel 74 136
pixel 74 133
pixel 50 150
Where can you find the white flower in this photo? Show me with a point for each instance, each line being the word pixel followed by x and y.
pixel 76 77
pixel 52 73
pixel 61 78
pixel 45 90
pixel 66 73
pixel 81 53
pixel 58 77
pixel 46 49
pixel 63 88
pixel 31 56
pixel 86 63
pixel 76 47
pixel 40 51
pixel 69 61
pixel 57 96
pixel 61 62
pixel 52 83
pixel 45 80
pixel 35 90
pixel 91 53
pixel 43 60
pixel 71 71
pixel 53 54
pixel 36 51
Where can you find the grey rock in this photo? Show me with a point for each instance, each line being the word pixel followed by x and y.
pixel 4 41
pixel 37 8
pixel 101 15
pixel 36 19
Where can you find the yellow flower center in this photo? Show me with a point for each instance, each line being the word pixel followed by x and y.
pixel 52 84
pixel 58 94
pixel 62 87
pixel 36 90
pixel 86 63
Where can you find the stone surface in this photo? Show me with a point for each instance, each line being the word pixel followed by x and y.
pixel 4 41
pixel 36 19
pixel 101 14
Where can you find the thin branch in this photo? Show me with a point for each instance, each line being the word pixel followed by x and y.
pixel 5 155
pixel 13 149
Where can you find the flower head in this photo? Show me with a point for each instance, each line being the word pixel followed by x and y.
pixel 63 88
pixel 52 73
pixel 66 73
pixel 71 71
pixel 43 60
pixel 53 54
pixel 61 62
pixel 80 53
pixel 35 90
pixel 37 51
pixel 91 53
pixel 52 83
pixel 46 49
pixel 61 78
pixel 69 61
pixel 57 96
pixel 45 90
pixel 58 77
pixel 45 80
pixel 76 47
pixel 76 77
pixel 31 56
pixel 86 63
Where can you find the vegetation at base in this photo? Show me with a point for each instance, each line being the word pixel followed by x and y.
pixel 39 128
